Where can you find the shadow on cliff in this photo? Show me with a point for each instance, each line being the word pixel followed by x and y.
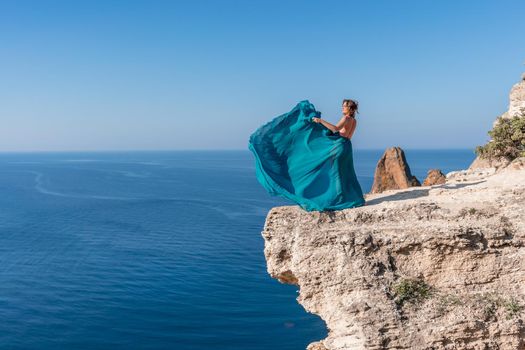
pixel 417 193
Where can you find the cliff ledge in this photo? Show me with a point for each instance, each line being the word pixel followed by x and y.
pixel 439 267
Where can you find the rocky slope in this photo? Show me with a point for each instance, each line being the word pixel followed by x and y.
pixel 516 108
pixel 439 267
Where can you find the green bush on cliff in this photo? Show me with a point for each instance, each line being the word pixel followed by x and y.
pixel 513 308
pixel 411 290
pixel 508 139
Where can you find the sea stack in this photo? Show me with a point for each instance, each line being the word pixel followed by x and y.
pixel 392 172
pixel 434 177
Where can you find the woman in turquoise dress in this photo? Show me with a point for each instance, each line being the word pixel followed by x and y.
pixel 302 157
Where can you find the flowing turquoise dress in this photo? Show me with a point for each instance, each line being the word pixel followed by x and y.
pixel 305 162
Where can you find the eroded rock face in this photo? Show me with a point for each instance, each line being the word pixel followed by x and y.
pixel 434 177
pixel 484 163
pixel 393 172
pixel 516 108
pixel 465 240
pixel 516 100
pixel 517 164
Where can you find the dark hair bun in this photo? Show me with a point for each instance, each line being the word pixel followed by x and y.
pixel 353 104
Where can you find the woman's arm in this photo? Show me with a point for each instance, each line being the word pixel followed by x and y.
pixel 332 127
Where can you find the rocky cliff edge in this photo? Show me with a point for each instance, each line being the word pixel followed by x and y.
pixel 439 267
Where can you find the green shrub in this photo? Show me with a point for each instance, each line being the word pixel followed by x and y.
pixel 445 301
pixel 513 307
pixel 490 302
pixel 411 290
pixel 508 139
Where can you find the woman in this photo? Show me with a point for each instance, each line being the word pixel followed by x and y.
pixel 347 123
pixel 306 159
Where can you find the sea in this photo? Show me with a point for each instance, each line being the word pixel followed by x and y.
pixel 151 250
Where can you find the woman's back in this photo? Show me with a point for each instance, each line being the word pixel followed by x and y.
pixel 348 128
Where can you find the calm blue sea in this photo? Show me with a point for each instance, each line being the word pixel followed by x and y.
pixel 150 250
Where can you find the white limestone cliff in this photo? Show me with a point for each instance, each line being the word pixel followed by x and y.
pixel 516 108
pixel 463 240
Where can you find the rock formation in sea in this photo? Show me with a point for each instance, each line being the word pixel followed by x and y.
pixel 439 267
pixel 392 172
pixel 434 177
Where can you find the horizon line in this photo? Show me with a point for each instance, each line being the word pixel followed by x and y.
pixel 209 150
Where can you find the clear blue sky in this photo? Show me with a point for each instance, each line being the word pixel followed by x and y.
pixel 146 75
